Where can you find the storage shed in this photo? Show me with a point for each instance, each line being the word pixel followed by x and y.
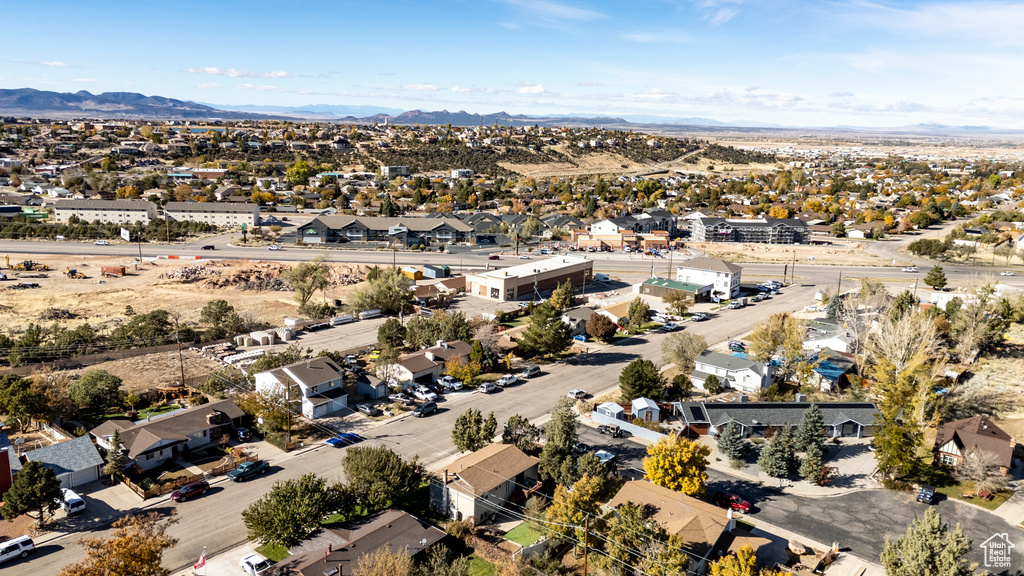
pixel 612 410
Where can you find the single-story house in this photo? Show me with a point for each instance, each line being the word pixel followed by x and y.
pixel 577 319
pixel 336 551
pixel 75 461
pixel 829 368
pixel 426 365
pixel 645 409
pixel 478 485
pixel 955 440
pixel 149 443
pixel 732 371
pixel 842 419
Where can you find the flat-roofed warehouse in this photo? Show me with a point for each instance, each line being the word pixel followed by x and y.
pixel 520 281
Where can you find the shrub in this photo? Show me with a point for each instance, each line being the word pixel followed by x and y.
pixel 897 485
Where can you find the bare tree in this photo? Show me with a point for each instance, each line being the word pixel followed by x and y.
pixel 982 468
pixel 904 341
pixel 682 349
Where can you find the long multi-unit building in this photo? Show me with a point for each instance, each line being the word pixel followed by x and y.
pixel 106 211
pixel 227 214
pixel 757 230
pixel 333 229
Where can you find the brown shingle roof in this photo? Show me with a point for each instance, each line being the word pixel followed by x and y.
pixel 977 433
pixel 487 468
pixel 699 523
pixel 168 430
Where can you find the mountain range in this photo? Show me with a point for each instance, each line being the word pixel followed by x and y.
pixel 130 105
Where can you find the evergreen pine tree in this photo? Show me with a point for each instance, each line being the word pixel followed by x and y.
pixel 489 429
pixel 935 278
pixel 773 460
pixel 466 431
pixel 115 458
pixel 730 445
pixel 810 468
pixel 811 429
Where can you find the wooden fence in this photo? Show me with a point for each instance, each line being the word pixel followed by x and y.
pixel 166 487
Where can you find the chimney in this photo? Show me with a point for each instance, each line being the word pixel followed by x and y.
pixel 330 547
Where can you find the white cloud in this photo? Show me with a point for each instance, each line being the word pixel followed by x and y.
pixel 271 88
pixel 530 88
pixel 54 64
pixel 208 85
pixel 420 87
pixel 459 90
pixel 723 15
pixel 548 10
pixel 236 73
pixel 84 80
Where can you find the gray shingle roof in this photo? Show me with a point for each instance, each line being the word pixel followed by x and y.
pixel 782 413
pixel 712 264
pixel 71 456
pixel 5 443
pixel 729 362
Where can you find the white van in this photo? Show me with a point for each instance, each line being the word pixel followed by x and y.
pixel 601 277
pixel 73 503
pixel 20 546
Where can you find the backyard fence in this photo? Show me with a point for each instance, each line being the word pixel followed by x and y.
pixel 171 486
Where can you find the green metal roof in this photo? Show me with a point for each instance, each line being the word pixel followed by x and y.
pixel 673 284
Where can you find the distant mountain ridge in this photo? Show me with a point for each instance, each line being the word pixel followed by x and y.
pixel 32 102
pixel 129 105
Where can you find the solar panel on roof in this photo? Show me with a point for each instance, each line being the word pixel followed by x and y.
pixel 696 413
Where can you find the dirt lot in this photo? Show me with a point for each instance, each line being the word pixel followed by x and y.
pixel 845 252
pixel 994 386
pixel 183 289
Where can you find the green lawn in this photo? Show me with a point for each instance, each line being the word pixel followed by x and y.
pixel 524 534
pixel 143 414
pixel 273 552
pixel 958 490
pixel 521 321
pixel 480 567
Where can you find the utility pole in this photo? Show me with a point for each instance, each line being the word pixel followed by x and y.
pixel 793 271
pixel 839 289
pixel 586 542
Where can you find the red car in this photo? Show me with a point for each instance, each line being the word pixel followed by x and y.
pixel 730 500
pixel 190 490
pixel 492 257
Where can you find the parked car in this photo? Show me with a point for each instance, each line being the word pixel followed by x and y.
pixel 368 409
pixel 488 387
pixel 670 327
pixel 731 501
pixel 344 439
pixel 611 430
pixel 699 316
pixel 1007 273
pixel 401 397
pixel 492 257
pixel 424 409
pixel 607 458
pixel 580 448
pixel 274 247
pixel 926 495
pixel 735 305
pixel 191 490
pixel 243 434
pixel 737 346
pixel 530 372
pixel 435 388
pixel 577 394
pixel 255 564
pixel 508 380
pixel 759 297
pixel 659 317
pixel 449 383
pixel 247 470
pixel 20 546
pixel 775 292
pixel 73 503
pixel 424 393
pixel 373 356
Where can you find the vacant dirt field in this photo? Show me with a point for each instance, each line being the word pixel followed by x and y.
pixel 994 386
pixel 845 252
pixel 598 163
pixel 184 288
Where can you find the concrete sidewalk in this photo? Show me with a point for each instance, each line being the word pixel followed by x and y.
pixel 845 565
pixel 223 564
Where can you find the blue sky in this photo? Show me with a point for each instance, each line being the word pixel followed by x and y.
pixel 789 62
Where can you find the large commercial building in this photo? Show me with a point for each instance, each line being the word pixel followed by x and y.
pixel 330 229
pixel 106 211
pixel 758 230
pixel 228 214
pixel 524 280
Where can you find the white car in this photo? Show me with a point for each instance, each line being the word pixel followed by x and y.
pixel 488 387
pixel 255 564
pixel 425 394
pixel 274 247
pixel 449 383
pixel 577 394
pixel 101 243
pixel 524 257
pixel 508 380
pixel 1007 273
pixel 670 327
pixel 661 318
pixel 910 269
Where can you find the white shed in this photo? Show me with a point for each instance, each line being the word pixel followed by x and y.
pixel 646 410
pixel 611 409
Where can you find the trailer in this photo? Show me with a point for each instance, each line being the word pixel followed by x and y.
pixel 112 271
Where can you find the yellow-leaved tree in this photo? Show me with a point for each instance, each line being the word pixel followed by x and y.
pixel 569 509
pixel 742 563
pixel 678 464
